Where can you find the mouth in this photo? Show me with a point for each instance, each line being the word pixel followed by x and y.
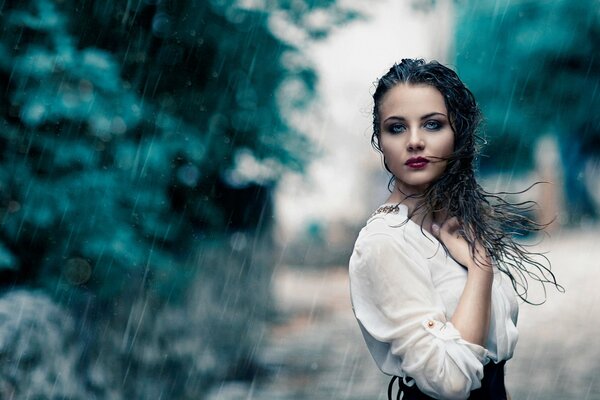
pixel 417 162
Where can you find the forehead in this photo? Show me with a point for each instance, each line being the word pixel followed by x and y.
pixel 412 101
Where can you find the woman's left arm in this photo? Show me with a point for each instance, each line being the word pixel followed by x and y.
pixel 396 302
pixel 472 314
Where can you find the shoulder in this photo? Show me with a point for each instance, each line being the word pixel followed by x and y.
pixel 393 231
pixel 389 261
pixel 388 241
pixel 378 234
pixel 393 224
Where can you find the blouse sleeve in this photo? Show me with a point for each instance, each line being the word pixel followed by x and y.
pixel 395 301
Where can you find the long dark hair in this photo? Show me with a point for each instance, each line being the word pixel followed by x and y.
pixel 488 218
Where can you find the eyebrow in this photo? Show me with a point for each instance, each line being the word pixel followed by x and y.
pixel 422 118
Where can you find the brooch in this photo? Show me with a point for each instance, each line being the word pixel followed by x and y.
pixel 386 209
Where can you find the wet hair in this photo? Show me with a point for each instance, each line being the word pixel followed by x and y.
pixel 487 218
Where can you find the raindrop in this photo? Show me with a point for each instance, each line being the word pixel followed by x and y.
pixel 77 271
pixel 161 25
pixel 69 100
pixel 188 175
pixel 118 126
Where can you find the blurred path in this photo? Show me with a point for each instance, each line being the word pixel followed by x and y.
pixel 317 352
pixel 328 348
pixel 558 354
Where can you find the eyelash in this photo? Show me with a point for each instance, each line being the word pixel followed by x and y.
pixel 437 126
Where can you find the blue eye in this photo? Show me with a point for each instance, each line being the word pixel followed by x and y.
pixel 433 125
pixel 396 128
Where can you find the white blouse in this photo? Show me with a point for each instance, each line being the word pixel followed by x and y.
pixel 404 290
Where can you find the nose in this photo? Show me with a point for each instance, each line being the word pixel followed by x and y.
pixel 415 141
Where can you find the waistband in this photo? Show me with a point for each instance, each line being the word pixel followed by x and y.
pixel 492 386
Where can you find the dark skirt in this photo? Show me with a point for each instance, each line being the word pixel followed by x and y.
pixel 492 386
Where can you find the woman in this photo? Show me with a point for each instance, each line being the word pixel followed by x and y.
pixel 434 272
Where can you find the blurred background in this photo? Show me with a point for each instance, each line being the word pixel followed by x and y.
pixel 182 182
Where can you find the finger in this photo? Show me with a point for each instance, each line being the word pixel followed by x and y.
pixel 435 229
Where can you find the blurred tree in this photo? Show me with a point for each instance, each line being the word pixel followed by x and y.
pixel 134 130
pixel 140 142
pixel 532 65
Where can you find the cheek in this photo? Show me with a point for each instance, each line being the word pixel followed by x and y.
pixel 447 147
pixel 385 148
pixel 390 154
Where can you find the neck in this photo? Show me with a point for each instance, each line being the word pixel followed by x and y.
pixel 412 199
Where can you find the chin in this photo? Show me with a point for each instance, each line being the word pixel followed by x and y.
pixel 417 184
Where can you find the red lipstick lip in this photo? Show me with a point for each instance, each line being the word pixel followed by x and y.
pixel 417 162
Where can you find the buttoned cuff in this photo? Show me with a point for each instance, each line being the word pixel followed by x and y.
pixel 446 331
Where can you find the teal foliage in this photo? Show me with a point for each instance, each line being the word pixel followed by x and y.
pixel 532 66
pixel 121 125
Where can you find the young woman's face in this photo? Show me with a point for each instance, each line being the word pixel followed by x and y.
pixel 414 133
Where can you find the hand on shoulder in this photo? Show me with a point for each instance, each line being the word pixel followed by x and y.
pixel 451 234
